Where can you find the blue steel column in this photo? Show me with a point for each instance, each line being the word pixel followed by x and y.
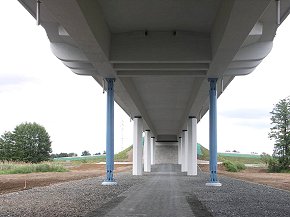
pixel 110 133
pixel 213 133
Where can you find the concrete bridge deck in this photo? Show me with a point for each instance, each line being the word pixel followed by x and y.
pixel 164 192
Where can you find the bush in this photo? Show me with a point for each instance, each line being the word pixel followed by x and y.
pixel 265 158
pixel 233 167
pixel 230 166
pixel 274 165
pixel 240 166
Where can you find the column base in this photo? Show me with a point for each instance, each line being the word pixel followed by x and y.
pixel 109 182
pixel 213 184
pixel 191 174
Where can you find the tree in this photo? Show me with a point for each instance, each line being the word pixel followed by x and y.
pixel 72 154
pixel 280 133
pixel 29 142
pixel 86 153
pixel 8 148
pixel 265 158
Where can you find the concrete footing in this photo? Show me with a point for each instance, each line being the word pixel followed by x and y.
pixel 213 184
pixel 109 183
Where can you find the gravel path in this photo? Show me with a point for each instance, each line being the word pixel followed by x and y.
pixel 74 198
pixel 89 198
pixel 240 198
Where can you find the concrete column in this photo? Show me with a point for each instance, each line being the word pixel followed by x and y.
pixel 192 147
pixel 213 133
pixel 110 134
pixel 147 152
pixel 152 150
pixel 183 168
pixel 186 151
pixel 137 146
pixel 194 144
pixel 179 150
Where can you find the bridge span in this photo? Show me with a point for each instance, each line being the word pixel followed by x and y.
pixel 165 62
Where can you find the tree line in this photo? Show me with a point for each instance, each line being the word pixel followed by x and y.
pixel 28 142
pixel 280 133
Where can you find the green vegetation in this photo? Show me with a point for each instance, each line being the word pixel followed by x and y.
pixel 240 159
pixel 233 167
pixel 14 168
pixel 86 153
pixel 205 153
pixel 123 155
pixel 235 158
pixel 280 133
pixel 29 142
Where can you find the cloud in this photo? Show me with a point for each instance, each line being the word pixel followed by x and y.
pixel 254 118
pixel 254 123
pixel 8 81
pixel 246 113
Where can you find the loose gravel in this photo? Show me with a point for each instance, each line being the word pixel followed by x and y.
pixel 74 198
pixel 240 198
pixel 235 197
pixel 89 198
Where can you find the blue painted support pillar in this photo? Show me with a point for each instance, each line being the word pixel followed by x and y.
pixel 213 133
pixel 110 134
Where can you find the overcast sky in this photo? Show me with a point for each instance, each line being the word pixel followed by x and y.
pixel 36 87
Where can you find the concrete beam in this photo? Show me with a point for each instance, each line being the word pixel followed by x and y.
pixel 224 43
pixel 160 66
pixel 83 21
pixel 132 91
pixel 167 73
pixel 160 46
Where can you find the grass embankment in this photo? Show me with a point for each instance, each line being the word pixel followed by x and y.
pixel 121 157
pixel 23 168
pixel 231 161
pixel 235 158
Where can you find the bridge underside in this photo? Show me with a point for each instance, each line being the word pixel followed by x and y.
pixel 162 56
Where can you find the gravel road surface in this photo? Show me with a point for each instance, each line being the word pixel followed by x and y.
pixel 164 192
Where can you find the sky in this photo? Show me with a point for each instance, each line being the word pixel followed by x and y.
pixel 36 87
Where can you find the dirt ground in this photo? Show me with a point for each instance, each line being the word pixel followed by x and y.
pixel 257 175
pixel 19 182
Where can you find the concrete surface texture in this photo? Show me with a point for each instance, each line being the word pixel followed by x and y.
pixel 166 152
pixel 161 53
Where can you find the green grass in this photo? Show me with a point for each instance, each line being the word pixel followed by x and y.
pixel 17 168
pixel 205 153
pixel 244 160
pixel 235 158
pixel 121 156
pixel 285 171
pixel 80 160
pixel 239 155
pixel 233 167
